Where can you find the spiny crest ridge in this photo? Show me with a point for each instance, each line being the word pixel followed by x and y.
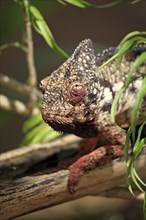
pixel 84 56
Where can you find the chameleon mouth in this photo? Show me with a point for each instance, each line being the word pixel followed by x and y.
pixel 60 123
pixel 53 119
pixel 69 126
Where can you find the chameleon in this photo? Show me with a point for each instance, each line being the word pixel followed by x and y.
pixel 77 99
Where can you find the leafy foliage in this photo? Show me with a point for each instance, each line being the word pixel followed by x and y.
pixel 129 41
pixel 42 28
pixel 36 131
pixel 86 4
pixel 13 44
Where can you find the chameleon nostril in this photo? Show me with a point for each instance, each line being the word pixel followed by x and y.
pixel 43 85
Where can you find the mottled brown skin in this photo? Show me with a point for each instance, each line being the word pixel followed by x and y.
pixel 78 97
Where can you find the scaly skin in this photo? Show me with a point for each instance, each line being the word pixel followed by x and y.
pixel 78 97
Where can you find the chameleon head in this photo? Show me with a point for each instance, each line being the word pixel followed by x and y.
pixel 70 93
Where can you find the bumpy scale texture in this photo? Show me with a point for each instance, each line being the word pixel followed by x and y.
pixel 78 97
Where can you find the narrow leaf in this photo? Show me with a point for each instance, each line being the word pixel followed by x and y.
pixel 15 44
pixel 135 180
pixel 127 144
pixel 131 35
pixel 86 4
pixel 43 29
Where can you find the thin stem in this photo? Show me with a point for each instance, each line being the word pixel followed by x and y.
pixel 15 44
pixel 30 52
pixel 32 79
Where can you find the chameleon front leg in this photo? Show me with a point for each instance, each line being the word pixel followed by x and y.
pixel 101 156
pixel 98 157
pixel 87 145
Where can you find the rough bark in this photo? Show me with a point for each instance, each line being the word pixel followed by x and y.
pixel 49 187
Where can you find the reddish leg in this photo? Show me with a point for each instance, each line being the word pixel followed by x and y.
pixel 87 146
pixel 98 157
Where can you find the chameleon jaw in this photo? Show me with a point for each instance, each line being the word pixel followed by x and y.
pixel 52 119
pixel 70 126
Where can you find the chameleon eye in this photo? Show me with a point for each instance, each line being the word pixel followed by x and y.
pixel 77 93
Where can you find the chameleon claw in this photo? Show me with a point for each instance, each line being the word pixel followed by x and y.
pixel 75 174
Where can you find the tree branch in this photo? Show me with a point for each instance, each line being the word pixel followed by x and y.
pixel 49 187
pixel 31 90
pixel 18 86
pixel 32 79
pixel 16 106
pixel 21 158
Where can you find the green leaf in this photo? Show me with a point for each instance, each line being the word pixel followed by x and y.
pixel 115 103
pixel 139 142
pixel 135 1
pixel 15 44
pixel 144 205
pixel 137 176
pixel 131 172
pixel 131 35
pixel 62 2
pixel 130 186
pixel 33 121
pixel 37 134
pixel 37 131
pixel 127 43
pixel 138 148
pixel 127 144
pixel 139 60
pixel 85 4
pixel 135 180
pixel 42 28
pixel 140 94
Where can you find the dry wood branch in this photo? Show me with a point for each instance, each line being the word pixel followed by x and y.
pixel 16 106
pixel 16 162
pixel 46 148
pixel 17 86
pixel 49 188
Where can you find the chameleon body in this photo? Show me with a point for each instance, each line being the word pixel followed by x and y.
pixel 78 97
